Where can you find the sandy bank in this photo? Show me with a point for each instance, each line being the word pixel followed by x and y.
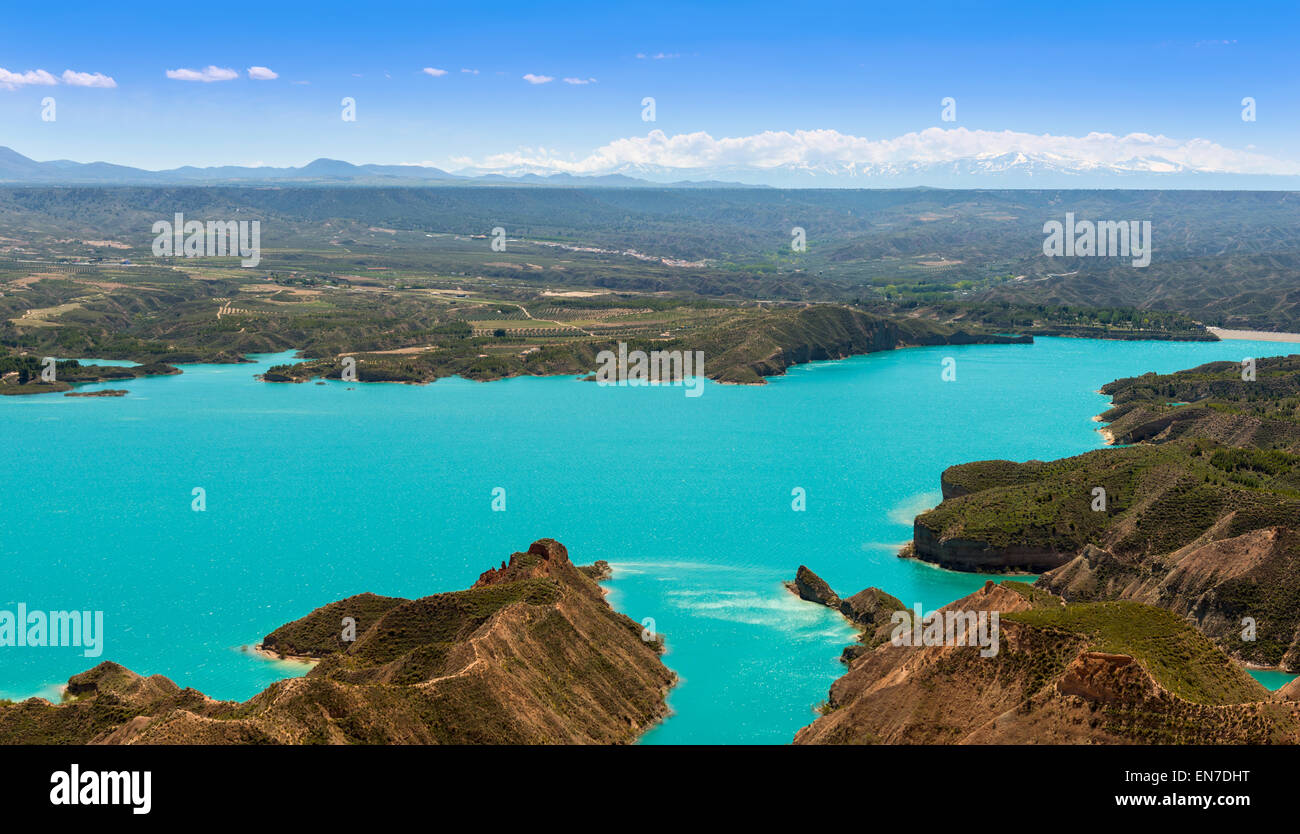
pixel 1253 335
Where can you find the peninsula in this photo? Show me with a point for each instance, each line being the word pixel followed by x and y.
pixel 531 654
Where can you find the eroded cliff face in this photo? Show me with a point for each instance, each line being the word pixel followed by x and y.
pixel 969 554
pixel 1242 590
pixel 1053 681
pixel 531 654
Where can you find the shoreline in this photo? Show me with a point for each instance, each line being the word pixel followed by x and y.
pixel 1104 431
pixel 1254 335
pixel 276 657
pixel 59 690
pixel 762 379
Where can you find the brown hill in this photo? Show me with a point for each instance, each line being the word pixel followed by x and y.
pixel 1116 673
pixel 531 654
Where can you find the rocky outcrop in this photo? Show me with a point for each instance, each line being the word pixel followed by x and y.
pixel 813 588
pixel 598 570
pixel 531 654
pixel 869 610
pixel 871 607
pixel 872 610
pixel 1105 678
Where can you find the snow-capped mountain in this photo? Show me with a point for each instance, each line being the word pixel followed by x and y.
pixel 1014 169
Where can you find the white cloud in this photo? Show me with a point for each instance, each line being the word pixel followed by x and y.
pixel 835 152
pixel 470 71
pixel 207 74
pixel 262 74
pixel 579 81
pixel 538 79
pixel 87 79
pixel 659 56
pixel 14 80
pixel 436 73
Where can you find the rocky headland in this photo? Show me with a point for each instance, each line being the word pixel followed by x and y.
pixel 1197 511
pixel 530 654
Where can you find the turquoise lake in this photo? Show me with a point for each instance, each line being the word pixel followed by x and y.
pixel 317 492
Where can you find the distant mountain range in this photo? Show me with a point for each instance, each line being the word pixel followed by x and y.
pixel 18 169
pixel 1008 170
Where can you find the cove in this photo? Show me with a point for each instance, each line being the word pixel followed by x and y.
pixel 316 492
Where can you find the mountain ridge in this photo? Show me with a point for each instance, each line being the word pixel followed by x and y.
pixel 16 168
pixel 1006 170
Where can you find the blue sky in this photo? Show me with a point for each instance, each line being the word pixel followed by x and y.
pixel 867 70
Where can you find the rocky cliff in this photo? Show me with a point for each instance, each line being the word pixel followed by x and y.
pixel 531 654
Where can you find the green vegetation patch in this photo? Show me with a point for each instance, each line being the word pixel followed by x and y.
pixel 1177 656
pixel 421 631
